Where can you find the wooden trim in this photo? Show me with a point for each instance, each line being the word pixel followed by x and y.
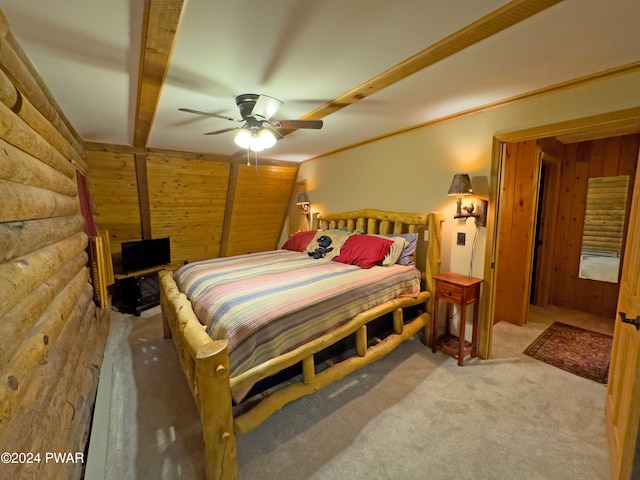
pixel 228 212
pixel 527 134
pixel 138 273
pixel 487 303
pixel 161 152
pixel 550 195
pixel 143 196
pixel 610 124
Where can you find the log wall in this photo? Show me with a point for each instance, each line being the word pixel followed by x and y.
pixel 208 205
pixel 52 335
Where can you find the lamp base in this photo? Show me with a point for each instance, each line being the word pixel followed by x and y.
pixel 480 215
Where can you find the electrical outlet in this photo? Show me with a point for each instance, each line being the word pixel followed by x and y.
pixel 462 238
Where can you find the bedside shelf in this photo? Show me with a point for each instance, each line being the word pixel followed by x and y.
pixel 461 290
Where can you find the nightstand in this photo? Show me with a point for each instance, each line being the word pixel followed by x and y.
pixel 461 290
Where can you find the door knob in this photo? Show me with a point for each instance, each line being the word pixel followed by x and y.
pixel 635 321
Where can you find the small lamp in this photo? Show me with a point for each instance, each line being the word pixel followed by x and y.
pixel 461 187
pixel 303 202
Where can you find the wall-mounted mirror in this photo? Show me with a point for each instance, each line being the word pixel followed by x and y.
pixel 603 230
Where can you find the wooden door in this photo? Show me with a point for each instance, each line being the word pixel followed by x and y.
pixel 516 227
pixel 622 408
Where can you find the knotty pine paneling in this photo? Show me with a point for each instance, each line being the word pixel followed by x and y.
pixel 114 195
pixel 260 203
pixel 187 201
pixel 604 157
pixel 209 206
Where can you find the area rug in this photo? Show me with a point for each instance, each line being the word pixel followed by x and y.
pixel 574 350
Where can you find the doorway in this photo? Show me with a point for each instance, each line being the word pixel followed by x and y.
pixel 600 126
pixel 548 227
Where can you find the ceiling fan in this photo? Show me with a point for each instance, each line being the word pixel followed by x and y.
pixel 258 131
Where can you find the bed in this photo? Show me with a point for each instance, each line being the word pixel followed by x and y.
pixel 238 322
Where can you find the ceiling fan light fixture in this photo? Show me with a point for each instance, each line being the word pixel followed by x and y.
pixel 255 139
pixel 255 144
pixel 267 138
pixel 258 131
pixel 243 138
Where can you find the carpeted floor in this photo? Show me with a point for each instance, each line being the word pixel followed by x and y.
pixel 412 415
pixel 574 350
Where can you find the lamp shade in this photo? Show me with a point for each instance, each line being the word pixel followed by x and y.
pixel 267 138
pixel 302 198
pixel 461 185
pixel 242 138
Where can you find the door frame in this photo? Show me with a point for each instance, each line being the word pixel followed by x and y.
pixel 544 229
pixel 622 122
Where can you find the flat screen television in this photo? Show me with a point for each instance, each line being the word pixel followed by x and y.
pixel 143 254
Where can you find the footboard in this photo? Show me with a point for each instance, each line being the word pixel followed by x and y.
pixel 206 366
pixel 312 382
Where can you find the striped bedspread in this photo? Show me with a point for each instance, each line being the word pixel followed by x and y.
pixel 268 303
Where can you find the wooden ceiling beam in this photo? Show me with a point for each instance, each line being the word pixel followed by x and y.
pixel 159 33
pixel 496 21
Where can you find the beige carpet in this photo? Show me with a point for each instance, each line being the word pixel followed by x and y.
pixel 413 415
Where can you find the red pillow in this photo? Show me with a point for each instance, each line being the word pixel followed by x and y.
pixel 365 251
pixel 299 241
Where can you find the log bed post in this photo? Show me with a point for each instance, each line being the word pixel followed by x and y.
pixel 206 366
pixel 432 267
pixel 212 377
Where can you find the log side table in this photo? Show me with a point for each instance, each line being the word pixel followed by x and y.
pixel 461 290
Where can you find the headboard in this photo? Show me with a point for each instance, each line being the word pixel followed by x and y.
pixel 373 221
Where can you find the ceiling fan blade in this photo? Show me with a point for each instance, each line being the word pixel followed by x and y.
pixel 315 124
pixel 207 114
pixel 224 130
pixel 265 107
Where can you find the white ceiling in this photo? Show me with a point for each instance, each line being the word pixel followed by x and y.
pixel 307 53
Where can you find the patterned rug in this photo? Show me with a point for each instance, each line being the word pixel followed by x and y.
pixel 574 350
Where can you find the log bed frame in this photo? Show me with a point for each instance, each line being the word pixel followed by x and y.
pixel 206 362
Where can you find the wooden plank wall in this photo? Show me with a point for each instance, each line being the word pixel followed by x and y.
pixel 209 205
pixel 187 203
pixel 260 206
pixel 599 158
pixel 114 195
pixel 53 337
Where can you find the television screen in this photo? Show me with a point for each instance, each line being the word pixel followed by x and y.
pixel 143 254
